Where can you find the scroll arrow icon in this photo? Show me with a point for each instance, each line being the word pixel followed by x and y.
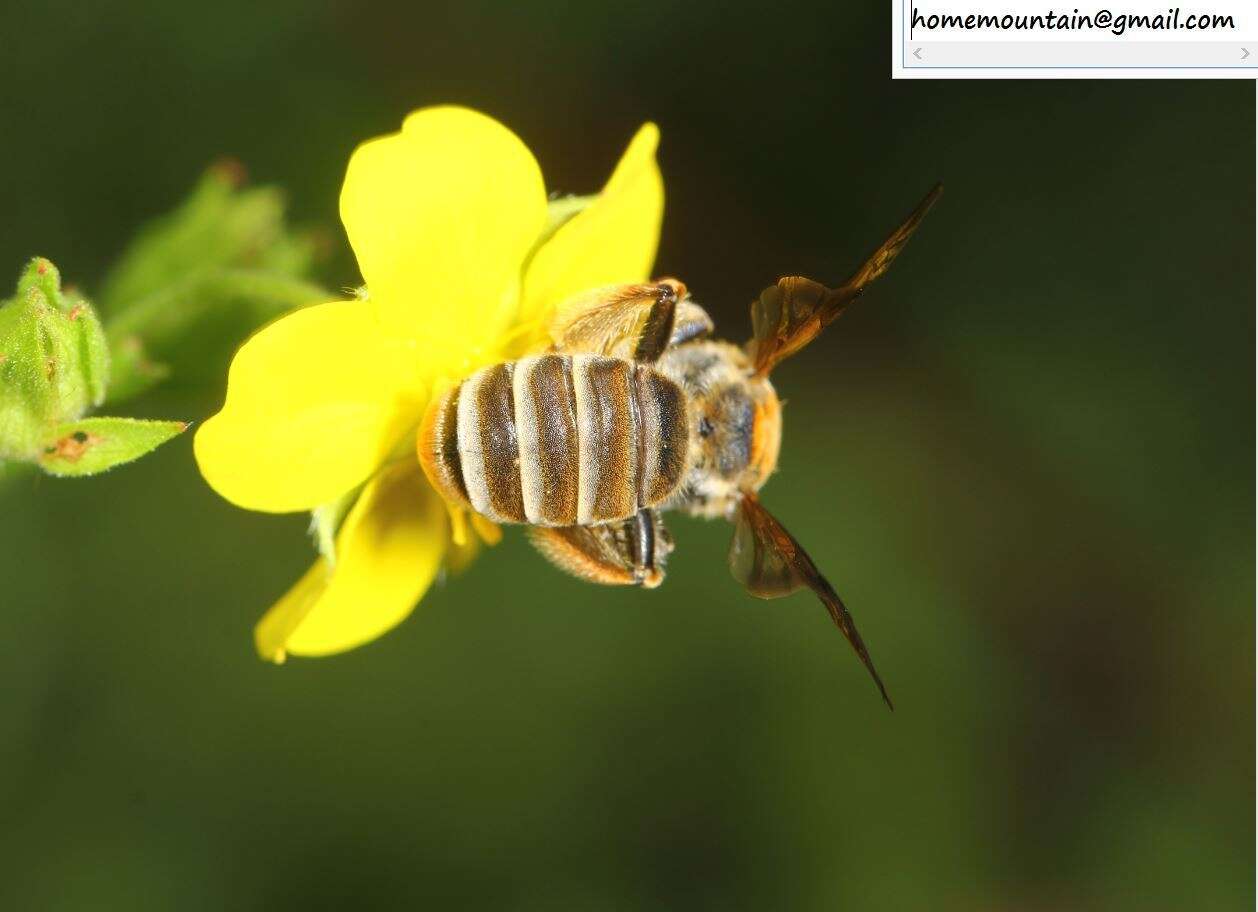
pixel 1244 53
pixel 918 54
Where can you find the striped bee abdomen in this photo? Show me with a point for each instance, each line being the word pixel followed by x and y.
pixel 558 440
pixel 548 439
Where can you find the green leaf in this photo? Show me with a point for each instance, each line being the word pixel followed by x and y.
pixel 93 445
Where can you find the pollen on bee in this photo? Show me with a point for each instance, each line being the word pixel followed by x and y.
pixel 458 524
pixel 490 533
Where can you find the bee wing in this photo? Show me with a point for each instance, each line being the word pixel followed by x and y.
pixel 770 563
pixel 791 313
pixel 637 322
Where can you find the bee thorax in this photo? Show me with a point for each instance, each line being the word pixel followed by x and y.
pixel 735 421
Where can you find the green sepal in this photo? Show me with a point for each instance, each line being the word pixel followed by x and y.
pixel 560 210
pixel 93 445
pixel 326 520
pixel 42 277
pixel 94 359
pixel 26 390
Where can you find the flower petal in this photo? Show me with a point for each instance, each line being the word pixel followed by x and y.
pixel 441 216
pixel 315 402
pixel 388 553
pixel 613 240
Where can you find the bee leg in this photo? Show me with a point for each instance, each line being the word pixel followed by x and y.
pixel 627 553
pixel 645 545
pixel 692 322
pixel 636 322
pixel 642 538
pixel 657 329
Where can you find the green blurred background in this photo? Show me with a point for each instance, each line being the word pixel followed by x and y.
pixel 1025 460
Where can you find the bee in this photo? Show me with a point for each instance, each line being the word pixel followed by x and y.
pixel 635 411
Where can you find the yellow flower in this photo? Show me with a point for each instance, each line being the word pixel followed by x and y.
pixel 463 260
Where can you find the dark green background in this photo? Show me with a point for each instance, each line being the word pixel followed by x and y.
pixel 1025 460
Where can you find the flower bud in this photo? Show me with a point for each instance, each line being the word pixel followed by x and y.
pixel 54 360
